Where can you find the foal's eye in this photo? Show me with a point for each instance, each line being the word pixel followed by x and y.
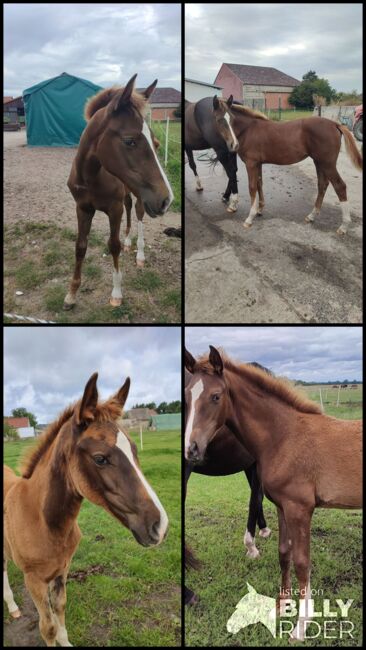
pixel 129 142
pixel 100 460
pixel 215 398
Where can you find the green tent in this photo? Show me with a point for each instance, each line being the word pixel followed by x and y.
pixel 54 110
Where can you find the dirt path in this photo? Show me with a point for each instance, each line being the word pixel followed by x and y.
pixel 281 270
pixel 40 216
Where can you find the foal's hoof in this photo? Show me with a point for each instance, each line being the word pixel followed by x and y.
pixel 247 225
pixel 67 306
pixel 341 231
pixel 199 189
pixel 231 209
pixel 308 220
pixel 265 532
pixel 115 302
pixel 194 600
pixel 140 263
pixel 16 614
pixel 224 199
pixel 126 248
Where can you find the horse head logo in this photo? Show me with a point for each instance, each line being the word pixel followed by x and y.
pixel 253 608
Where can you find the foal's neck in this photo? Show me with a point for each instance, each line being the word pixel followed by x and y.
pixel 59 501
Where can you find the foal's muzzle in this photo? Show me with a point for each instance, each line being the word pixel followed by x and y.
pixel 193 454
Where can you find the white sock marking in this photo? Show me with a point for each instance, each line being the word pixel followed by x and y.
pixel 140 242
pixel 234 200
pixel 124 445
pixel 249 542
pixel 147 134
pixel 198 183
pixel 227 118
pixel 196 391
pixel 8 595
pixel 117 284
pixel 127 241
pixel 253 211
pixel 346 217
pixel 314 213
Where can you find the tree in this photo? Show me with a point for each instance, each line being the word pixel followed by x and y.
pixel 23 413
pixel 302 95
pixel 10 431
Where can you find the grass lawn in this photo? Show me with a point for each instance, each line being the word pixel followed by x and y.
pixel 287 115
pixel 119 593
pixel 215 522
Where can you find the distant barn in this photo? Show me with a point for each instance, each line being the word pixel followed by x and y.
pixel 54 110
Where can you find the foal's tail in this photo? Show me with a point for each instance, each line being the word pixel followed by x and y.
pixel 190 560
pixel 351 148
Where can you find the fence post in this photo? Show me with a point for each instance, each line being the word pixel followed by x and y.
pixel 141 445
pixel 321 401
pixel 339 388
pixel 166 141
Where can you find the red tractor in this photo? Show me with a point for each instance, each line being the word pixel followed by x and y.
pixel 357 123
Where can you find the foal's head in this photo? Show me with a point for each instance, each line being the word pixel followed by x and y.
pixel 222 117
pixel 125 146
pixel 104 467
pixel 206 402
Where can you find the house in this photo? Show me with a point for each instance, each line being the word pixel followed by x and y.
pixel 196 90
pixel 14 110
pixel 54 110
pixel 164 102
pixel 22 425
pixel 256 86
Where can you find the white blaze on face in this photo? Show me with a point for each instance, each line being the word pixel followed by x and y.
pixel 196 391
pixel 147 134
pixel 227 118
pixel 124 445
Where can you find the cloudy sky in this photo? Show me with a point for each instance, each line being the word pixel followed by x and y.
pixel 46 368
pixel 309 353
pixel 293 38
pixel 104 43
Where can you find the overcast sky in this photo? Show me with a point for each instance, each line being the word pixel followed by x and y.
pixel 314 354
pixel 293 38
pixel 46 368
pixel 104 43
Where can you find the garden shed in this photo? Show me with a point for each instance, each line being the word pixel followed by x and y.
pixel 54 110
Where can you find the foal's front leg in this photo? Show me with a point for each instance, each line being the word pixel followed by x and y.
pixel 140 257
pixel 48 623
pixel 115 216
pixel 84 224
pixel 128 206
pixel 253 175
pixel 57 590
pixel 8 594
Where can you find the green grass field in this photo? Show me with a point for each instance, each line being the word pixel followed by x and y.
pixel 174 166
pixel 289 114
pixel 215 522
pixel 119 593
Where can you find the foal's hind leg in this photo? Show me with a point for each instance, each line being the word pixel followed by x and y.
pixel 249 536
pixel 260 191
pixel 84 225
pixel 140 257
pixel 8 594
pixel 128 206
pixel 57 590
pixel 323 183
pixel 341 191
pixel 114 243
pixel 253 175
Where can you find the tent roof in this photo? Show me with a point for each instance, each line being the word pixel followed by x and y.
pixel 42 84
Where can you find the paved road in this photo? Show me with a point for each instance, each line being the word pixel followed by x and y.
pixel 281 270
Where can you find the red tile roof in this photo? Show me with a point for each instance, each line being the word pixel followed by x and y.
pixel 18 423
pixel 164 96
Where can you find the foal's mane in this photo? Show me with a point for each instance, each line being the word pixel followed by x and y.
pixel 278 386
pixel 103 98
pixel 248 112
pixel 108 411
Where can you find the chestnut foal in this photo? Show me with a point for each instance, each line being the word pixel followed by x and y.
pixel 83 454
pixel 305 459
pixel 116 150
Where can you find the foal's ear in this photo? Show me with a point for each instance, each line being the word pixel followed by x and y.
pixel 189 361
pixel 215 360
pixel 86 411
pixel 124 95
pixel 149 91
pixel 230 101
pixel 215 103
pixel 122 394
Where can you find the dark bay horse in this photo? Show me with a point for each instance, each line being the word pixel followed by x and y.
pixel 283 143
pixel 207 124
pixel 82 455
pixel 115 151
pixel 226 456
pixel 305 459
